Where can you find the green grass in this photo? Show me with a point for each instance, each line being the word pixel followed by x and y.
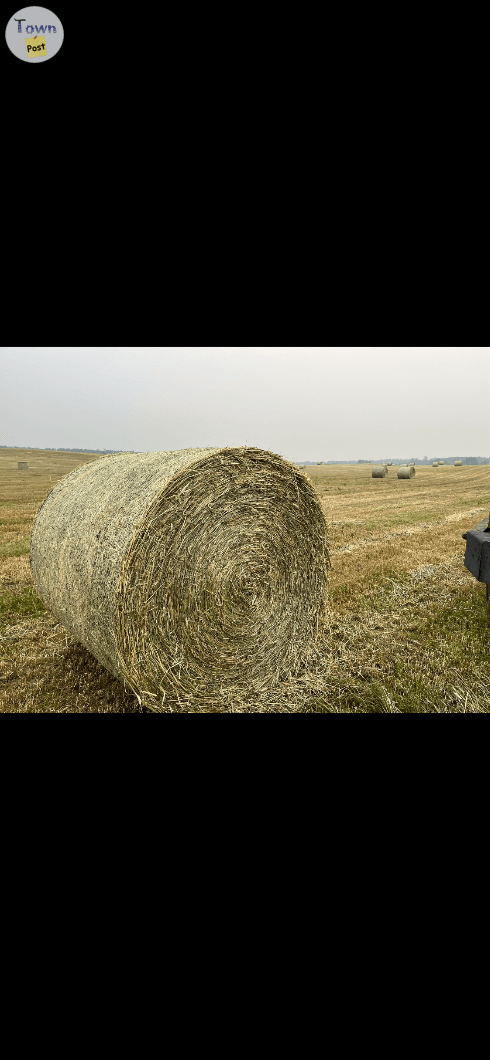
pixel 437 665
pixel 24 603
pixel 476 502
pixel 377 584
pixel 16 548
pixel 16 521
pixel 25 501
pixel 460 630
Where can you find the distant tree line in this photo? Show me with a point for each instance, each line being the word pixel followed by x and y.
pixel 49 449
pixel 409 460
pixel 429 460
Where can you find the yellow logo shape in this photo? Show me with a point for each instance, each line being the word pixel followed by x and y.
pixel 36 47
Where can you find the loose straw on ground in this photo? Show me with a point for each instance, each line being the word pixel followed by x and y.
pixel 187 574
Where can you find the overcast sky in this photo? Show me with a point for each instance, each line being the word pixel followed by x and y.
pixel 303 402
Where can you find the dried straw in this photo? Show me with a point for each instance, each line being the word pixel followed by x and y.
pixel 379 471
pixel 405 471
pixel 187 574
pixel 22 465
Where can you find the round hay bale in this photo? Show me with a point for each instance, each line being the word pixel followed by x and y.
pixel 22 465
pixel 379 471
pixel 436 463
pixel 442 461
pixel 458 463
pixel 406 471
pixel 188 573
pixel 390 463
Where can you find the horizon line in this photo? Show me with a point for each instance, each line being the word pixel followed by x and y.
pixel 354 460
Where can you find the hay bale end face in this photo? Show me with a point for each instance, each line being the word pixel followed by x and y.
pixel 22 465
pixel 188 573
pixel 379 471
pixel 406 472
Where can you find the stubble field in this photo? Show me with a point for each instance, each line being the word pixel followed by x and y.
pixel 409 626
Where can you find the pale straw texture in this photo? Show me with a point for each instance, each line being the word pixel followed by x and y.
pixel 187 574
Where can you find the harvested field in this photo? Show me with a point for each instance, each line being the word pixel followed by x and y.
pixel 408 625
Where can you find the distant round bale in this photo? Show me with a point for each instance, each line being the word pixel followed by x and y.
pixel 442 461
pixel 22 465
pixel 458 463
pixel 436 463
pixel 389 464
pixel 379 471
pixel 405 471
pixel 186 574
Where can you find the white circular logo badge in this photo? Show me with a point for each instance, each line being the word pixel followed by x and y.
pixel 34 34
